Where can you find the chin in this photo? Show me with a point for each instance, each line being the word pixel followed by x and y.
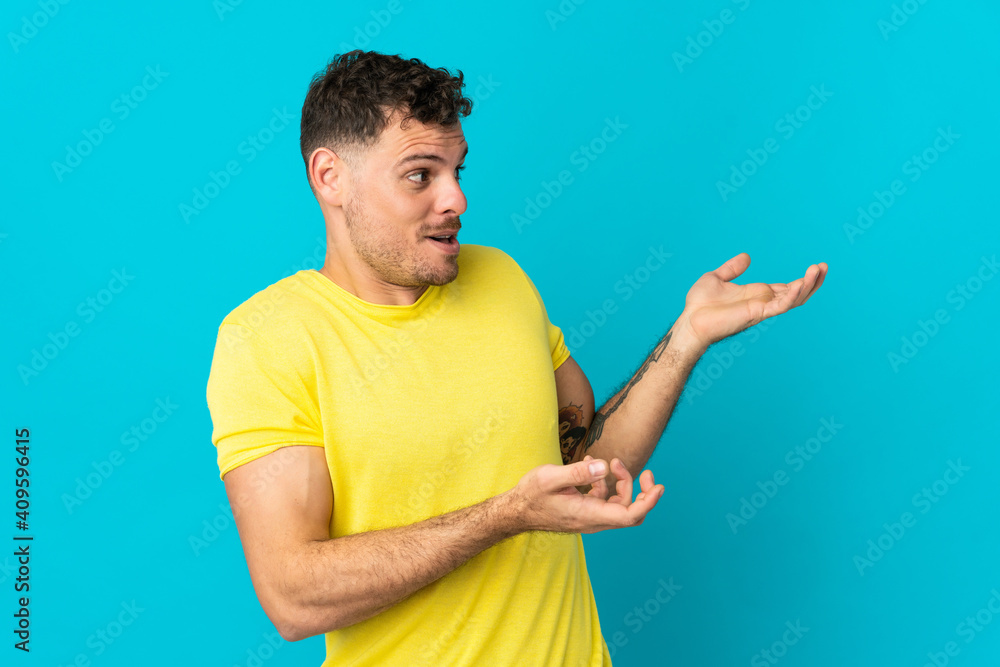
pixel 444 281
pixel 442 278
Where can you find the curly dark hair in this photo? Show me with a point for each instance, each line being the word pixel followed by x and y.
pixel 349 103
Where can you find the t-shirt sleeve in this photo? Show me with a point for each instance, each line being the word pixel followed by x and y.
pixel 557 343
pixel 257 400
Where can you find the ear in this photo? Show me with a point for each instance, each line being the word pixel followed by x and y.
pixel 329 176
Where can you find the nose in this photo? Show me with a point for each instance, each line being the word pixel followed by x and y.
pixel 452 200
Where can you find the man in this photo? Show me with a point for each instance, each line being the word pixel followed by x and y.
pixel 399 433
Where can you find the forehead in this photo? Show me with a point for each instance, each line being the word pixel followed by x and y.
pixel 395 143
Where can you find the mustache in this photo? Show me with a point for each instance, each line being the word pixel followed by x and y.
pixel 450 223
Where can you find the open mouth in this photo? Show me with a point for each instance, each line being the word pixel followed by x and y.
pixel 447 243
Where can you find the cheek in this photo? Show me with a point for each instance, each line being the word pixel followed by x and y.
pixel 402 213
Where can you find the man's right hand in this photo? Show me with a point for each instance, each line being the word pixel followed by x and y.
pixel 547 498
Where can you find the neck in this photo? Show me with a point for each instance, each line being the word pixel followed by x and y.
pixel 356 277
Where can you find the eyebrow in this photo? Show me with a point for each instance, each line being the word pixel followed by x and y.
pixel 427 156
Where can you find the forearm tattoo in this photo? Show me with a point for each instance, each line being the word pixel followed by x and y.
pixel 597 426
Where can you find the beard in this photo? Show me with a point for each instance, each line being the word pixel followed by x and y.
pixel 392 257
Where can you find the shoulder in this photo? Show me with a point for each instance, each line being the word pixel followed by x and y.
pixel 271 311
pixel 475 254
pixel 489 261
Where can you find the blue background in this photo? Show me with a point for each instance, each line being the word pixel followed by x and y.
pixel 556 79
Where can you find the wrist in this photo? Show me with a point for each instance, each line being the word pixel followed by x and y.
pixel 508 514
pixel 683 338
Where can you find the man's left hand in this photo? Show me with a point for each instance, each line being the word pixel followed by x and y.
pixel 623 485
pixel 716 308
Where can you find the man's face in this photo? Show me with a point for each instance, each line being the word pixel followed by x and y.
pixel 405 190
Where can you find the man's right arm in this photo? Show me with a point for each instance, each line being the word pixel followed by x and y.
pixel 309 584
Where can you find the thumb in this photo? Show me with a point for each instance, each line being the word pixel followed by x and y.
pixel 733 268
pixel 585 472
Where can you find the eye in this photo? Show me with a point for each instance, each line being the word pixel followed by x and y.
pixel 423 173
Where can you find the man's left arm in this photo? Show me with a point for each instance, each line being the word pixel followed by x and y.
pixel 632 421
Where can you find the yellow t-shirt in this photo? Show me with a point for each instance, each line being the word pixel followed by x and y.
pixel 422 409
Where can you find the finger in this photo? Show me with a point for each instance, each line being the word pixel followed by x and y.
pixel 733 268
pixel 791 299
pixel 637 511
pixel 814 284
pixel 599 489
pixel 782 304
pixel 809 286
pixel 646 480
pixel 812 273
pixel 557 477
pixel 819 280
pixel 803 284
pixel 612 515
pixel 623 487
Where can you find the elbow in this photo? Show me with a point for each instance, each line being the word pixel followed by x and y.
pixel 285 614
pixel 294 623
pixel 291 632
pixel 290 625
pixel 284 619
pixel 295 610
pixel 277 595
